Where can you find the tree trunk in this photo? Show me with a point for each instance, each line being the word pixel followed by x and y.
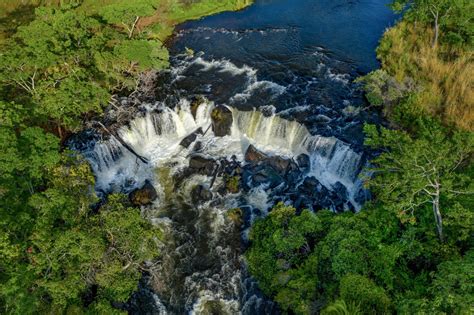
pixel 436 29
pixel 130 34
pixel 60 132
pixel 438 218
pixel 123 143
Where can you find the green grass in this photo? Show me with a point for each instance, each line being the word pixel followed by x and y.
pixel 442 74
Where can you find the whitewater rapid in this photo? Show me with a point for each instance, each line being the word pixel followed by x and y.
pixel 201 266
pixel 157 136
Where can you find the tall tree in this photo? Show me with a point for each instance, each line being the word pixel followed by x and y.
pixel 413 171
pixel 453 15
pixel 52 61
pixel 128 13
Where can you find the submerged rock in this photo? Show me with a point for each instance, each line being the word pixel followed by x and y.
pixel 222 120
pixel 188 140
pixel 144 195
pixel 202 165
pixel 200 194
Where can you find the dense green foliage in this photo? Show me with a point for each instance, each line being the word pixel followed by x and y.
pixel 60 254
pixel 370 261
pixel 427 62
pixel 66 64
pixel 411 249
pixel 54 249
pixel 452 19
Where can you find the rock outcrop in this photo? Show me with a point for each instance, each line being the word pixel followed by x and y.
pixel 222 120
pixel 144 195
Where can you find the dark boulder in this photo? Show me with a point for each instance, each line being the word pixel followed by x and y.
pixel 303 161
pixel 202 165
pixel 200 194
pixel 267 175
pixel 253 155
pixel 280 164
pixel 222 120
pixel 340 190
pixel 188 140
pixel 311 186
pixel 144 195
pixel 197 146
pixel 303 202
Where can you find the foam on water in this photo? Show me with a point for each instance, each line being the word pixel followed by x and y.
pixel 203 235
pixel 157 135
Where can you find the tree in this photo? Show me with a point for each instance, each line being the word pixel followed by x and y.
pixel 281 257
pixel 123 65
pixel 452 15
pixel 450 292
pixel 415 170
pixel 52 61
pixel 128 13
pixel 359 289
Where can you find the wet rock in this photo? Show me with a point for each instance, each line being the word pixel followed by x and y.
pixel 340 190
pixel 303 202
pixel 351 207
pixel 195 103
pixel 280 164
pixel 143 300
pixel 311 186
pixel 253 155
pixel 303 161
pixel 267 175
pixel 144 195
pixel 202 165
pixel 188 140
pixel 293 177
pixel 222 120
pixel 362 196
pixel 200 194
pixel 197 146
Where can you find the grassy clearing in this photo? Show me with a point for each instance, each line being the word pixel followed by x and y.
pixel 444 74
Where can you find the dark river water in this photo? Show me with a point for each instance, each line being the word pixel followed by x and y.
pixel 286 71
pixel 280 31
pixel 305 54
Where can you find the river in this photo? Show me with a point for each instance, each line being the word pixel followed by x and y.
pixel 285 69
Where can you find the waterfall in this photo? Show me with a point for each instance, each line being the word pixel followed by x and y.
pixel 201 266
pixel 157 135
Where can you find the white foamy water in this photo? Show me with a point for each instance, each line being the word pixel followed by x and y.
pixel 157 135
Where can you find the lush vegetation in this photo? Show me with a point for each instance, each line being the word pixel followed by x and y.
pixel 428 56
pixel 411 250
pixel 62 252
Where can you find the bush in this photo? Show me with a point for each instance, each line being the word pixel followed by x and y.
pixel 359 289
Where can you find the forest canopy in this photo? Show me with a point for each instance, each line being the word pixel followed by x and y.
pixel 62 250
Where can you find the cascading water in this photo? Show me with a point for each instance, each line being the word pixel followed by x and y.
pixel 201 268
pixel 158 134
pixel 289 97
